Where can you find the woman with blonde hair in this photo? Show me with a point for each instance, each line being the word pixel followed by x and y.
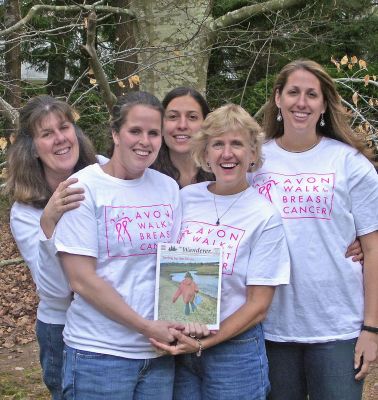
pixel 231 364
pixel 321 329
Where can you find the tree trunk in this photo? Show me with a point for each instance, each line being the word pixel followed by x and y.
pixel 175 39
pixel 12 58
pixel 127 62
pixel 174 44
pixel 57 60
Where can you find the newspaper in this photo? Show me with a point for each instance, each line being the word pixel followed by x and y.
pixel 188 284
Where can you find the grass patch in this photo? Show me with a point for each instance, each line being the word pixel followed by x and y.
pixel 23 385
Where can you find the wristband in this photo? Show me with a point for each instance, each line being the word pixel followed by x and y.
pixel 199 352
pixel 369 328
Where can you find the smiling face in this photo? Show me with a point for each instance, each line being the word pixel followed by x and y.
pixel 301 102
pixel 183 118
pixel 138 142
pixel 230 156
pixel 56 146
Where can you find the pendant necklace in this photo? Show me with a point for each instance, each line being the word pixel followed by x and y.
pixel 228 209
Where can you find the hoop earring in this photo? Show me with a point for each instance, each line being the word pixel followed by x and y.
pixel 279 116
pixel 322 122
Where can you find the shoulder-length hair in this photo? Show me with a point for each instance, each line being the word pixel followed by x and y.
pixel 26 181
pixel 228 118
pixel 336 119
pixel 163 162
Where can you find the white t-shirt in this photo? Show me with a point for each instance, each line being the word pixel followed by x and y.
pixel 250 233
pixel 326 196
pixel 119 223
pixel 39 254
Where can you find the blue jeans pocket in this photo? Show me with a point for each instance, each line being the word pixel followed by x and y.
pixel 233 370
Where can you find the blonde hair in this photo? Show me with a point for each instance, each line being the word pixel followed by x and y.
pixel 228 118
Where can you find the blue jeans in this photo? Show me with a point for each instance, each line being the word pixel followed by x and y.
pixel 324 371
pixel 95 376
pixel 233 370
pixel 50 340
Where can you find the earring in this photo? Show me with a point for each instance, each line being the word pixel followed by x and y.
pixel 322 122
pixel 208 164
pixel 279 115
pixel 252 164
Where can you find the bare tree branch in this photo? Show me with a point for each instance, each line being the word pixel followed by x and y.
pixel 39 8
pixel 243 13
pixel 8 111
pixel 15 261
pixel 356 80
pixel 99 73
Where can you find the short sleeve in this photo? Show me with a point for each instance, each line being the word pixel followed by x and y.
pixel 362 183
pixel 76 231
pixel 270 261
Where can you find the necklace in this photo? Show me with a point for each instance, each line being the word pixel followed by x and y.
pixel 280 144
pixel 228 209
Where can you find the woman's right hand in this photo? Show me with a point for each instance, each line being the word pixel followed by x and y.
pixel 63 199
pixel 161 330
pixel 195 329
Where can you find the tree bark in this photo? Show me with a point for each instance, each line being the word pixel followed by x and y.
pixel 57 60
pixel 176 41
pixel 90 50
pixel 127 62
pixel 12 56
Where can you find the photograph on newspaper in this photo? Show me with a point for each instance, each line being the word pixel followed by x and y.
pixel 188 284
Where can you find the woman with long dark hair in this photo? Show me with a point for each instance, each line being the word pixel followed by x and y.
pixel 184 111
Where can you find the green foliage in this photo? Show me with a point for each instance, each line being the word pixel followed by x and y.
pixel 93 119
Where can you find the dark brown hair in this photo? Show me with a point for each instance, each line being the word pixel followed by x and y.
pixel 163 162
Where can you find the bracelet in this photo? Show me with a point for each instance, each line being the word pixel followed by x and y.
pixel 199 352
pixel 369 328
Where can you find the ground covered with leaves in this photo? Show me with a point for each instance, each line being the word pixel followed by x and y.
pixel 20 374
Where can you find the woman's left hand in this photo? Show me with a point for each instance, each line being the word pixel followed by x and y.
pixel 366 351
pixel 184 344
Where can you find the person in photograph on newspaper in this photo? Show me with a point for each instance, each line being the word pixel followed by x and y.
pixel 322 329
pixel 185 109
pixel 108 250
pixel 188 290
pixel 231 364
pixel 49 147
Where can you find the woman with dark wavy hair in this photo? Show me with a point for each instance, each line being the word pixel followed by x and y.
pixel 49 147
pixel 185 109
